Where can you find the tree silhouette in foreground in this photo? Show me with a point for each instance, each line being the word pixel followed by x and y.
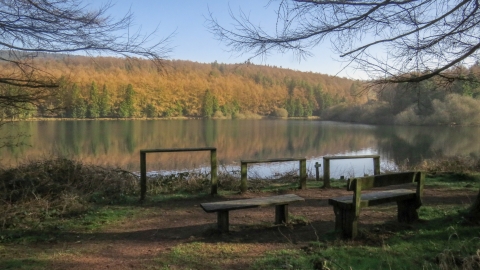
pixel 29 28
pixel 392 41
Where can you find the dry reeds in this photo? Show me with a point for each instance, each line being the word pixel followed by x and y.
pixel 32 192
pixel 448 260
pixel 59 187
pixel 456 164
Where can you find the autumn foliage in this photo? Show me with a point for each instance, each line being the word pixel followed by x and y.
pixel 100 87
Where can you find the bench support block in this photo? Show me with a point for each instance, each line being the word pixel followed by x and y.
pixel 281 214
pixel 222 221
pixel 346 222
pixel 407 211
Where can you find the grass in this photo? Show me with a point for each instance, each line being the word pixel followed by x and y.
pixel 51 229
pixel 441 242
pixel 199 255
pixel 454 180
pixel 40 199
pixel 23 264
pixel 40 207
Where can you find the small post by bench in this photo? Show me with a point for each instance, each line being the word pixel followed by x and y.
pixel 326 166
pixel 347 208
pixel 222 208
pixel 143 166
pixel 302 165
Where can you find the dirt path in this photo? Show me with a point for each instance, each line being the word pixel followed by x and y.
pixel 141 243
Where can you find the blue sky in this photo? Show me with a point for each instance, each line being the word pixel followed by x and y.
pixel 194 42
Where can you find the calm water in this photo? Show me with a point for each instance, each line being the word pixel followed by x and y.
pixel 117 143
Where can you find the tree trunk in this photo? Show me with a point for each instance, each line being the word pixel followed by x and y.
pixel 474 213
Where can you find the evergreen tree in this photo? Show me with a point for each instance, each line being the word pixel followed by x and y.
pixel 309 108
pixel 93 106
pixel 208 104
pixel 300 112
pixel 290 107
pixel 150 110
pixel 79 108
pixel 216 107
pixel 104 106
pixel 127 106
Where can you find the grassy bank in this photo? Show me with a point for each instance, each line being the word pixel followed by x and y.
pixel 440 241
pixel 41 192
pixel 49 206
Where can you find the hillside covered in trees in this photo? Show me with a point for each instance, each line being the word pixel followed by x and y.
pixel 107 87
pixel 430 102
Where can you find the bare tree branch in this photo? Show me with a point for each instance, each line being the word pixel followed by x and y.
pixel 384 38
pixel 32 27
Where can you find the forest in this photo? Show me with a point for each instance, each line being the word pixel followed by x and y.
pixel 108 87
pixel 435 101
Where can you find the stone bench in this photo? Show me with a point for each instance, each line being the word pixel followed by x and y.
pixel 347 208
pixel 222 208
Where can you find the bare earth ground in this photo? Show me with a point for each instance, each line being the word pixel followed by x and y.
pixel 141 243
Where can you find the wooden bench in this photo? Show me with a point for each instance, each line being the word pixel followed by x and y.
pixel 281 208
pixel 347 208
pixel 301 161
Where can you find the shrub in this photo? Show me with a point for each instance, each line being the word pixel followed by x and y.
pixel 247 115
pixel 453 110
pixel 462 110
pixel 280 112
pixel 218 115
pixel 39 189
pixel 408 117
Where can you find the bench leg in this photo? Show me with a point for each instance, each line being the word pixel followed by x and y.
pixel 346 222
pixel 407 211
pixel 222 221
pixel 281 214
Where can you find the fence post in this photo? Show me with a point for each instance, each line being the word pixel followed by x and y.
pixel 376 165
pixel 326 172
pixel 143 175
pixel 317 173
pixel 243 181
pixel 213 172
pixel 303 174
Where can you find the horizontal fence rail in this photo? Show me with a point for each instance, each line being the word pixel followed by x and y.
pixel 326 166
pixel 143 166
pixel 302 164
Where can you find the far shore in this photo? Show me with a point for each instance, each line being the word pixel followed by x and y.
pixel 160 118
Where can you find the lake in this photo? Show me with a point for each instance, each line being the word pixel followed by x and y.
pixel 118 142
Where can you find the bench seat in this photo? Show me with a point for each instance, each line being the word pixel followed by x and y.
pixel 374 198
pixel 222 208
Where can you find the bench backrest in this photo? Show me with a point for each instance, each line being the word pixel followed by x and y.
pixel 382 180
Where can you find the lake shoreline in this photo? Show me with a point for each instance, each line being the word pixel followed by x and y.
pixel 163 118
pixel 117 143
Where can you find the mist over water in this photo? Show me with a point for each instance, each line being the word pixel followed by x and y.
pixel 117 143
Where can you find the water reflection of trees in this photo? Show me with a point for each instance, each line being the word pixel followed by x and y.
pixel 118 143
pixel 417 143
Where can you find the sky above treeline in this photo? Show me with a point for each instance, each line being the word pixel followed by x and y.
pixel 194 42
